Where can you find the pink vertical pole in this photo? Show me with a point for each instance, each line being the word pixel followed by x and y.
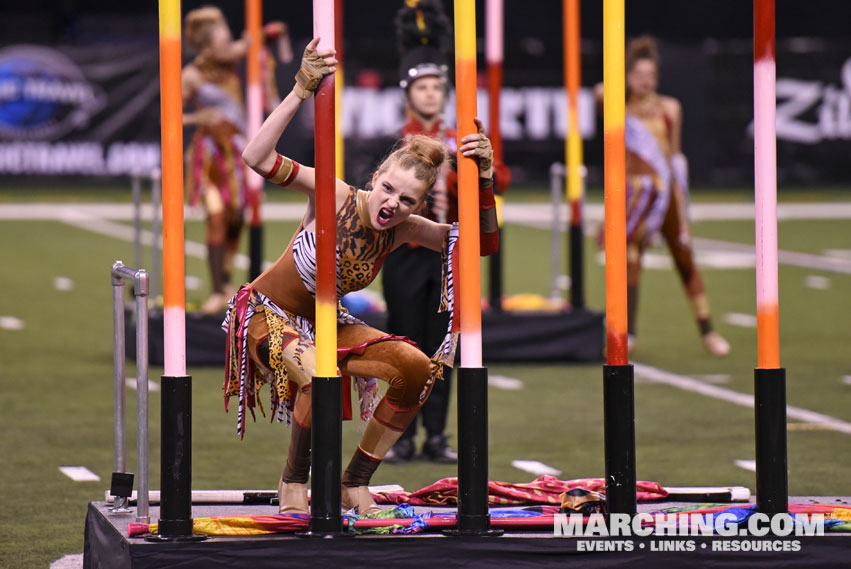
pixel 254 116
pixel 765 179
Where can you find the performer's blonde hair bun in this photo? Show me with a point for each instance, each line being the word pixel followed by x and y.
pixel 198 25
pixel 420 152
pixel 642 47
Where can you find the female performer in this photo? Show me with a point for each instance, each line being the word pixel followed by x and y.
pixel 270 324
pixel 657 187
pixel 215 174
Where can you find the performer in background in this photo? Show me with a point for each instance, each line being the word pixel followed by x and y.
pixel 657 187
pixel 270 323
pixel 411 279
pixel 215 174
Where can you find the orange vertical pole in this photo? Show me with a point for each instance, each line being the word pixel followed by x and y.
pixel 473 516
pixel 174 268
pixel 618 375
pixel 573 149
pixel 176 403
pixel 615 180
pixel 468 195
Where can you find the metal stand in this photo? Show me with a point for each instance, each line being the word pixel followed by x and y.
pixel 772 478
pixel 619 426
pixel 119 274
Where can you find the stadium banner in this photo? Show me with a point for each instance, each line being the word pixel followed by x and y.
pixel 78 111
pixel 93 111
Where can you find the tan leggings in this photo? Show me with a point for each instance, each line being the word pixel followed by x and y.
pixel 405 369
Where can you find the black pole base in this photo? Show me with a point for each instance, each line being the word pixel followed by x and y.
pixel 772 474
pixel 255 251
pixel 176 459
pixel 577 269
pixel 619 426
pixel 326 518
pixel 473 514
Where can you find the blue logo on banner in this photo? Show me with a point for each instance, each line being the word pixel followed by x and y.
pixel 43 94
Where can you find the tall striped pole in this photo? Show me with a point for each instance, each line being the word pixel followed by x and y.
pixel 473 516
pixel 494 45
pixel 176 407
pixel 573 149
pixel 618 382
pixel 327 434
pixel 254 111
pixel 769 378
pixel 339 140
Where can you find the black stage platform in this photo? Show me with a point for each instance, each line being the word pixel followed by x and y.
pixel 510 336
pixel 108 547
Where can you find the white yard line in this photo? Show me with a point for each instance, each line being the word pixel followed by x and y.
pixel 686 383
pixel 84 220
pixel 505 382
pixel 535 467
pixel 79 473
pixel 741 320
pixel 746 464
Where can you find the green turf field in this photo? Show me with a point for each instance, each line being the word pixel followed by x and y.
pixel 57 375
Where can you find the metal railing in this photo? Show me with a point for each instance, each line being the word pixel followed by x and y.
pixel 121 274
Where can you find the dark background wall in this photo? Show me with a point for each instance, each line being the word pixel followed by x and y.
pixel 706 63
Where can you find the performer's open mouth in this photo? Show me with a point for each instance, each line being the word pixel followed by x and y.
pixel 384 215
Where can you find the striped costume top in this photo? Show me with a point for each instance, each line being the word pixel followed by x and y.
pixel 291 281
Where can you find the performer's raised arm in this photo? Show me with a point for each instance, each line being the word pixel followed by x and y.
pixel 260 152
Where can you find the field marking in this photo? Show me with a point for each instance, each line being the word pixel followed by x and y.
pixel 817 282
pixel 84 220
pixel 505 382
pixel 535 467
pixel 74 561
pixel 714 377
pixel 63 283
pixel 741 320
pixel 686 383
pixel 746 464
pixel 79 473
pixel 131 383
pixel 11 323
pixel 535 215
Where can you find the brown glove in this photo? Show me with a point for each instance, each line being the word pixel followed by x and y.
pixel 484 153
pixel 313 69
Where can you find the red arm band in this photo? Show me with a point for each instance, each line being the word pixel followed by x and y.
pixel 488 225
